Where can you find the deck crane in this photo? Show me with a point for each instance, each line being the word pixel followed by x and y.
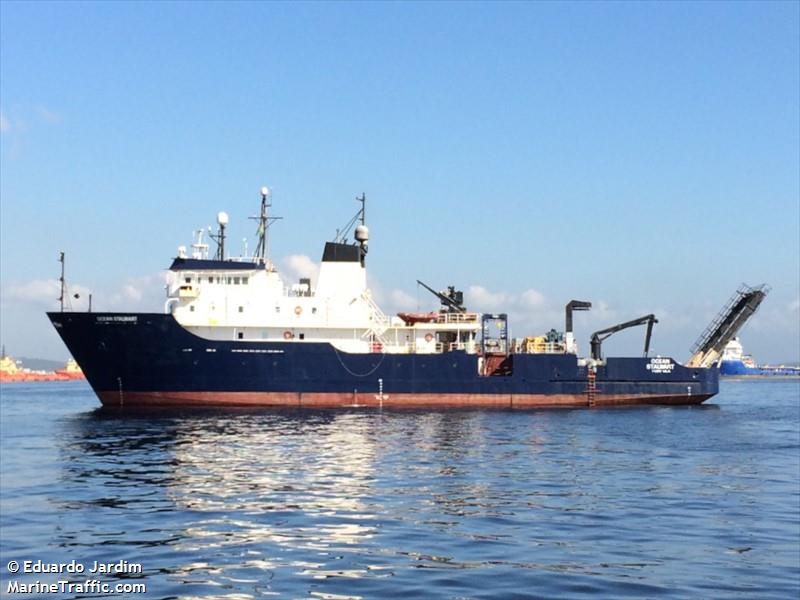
pixel 599 336
pixel 573 305
pixel 452 300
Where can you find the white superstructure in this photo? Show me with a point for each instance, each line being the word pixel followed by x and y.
pixel 247 299
pixel 734 352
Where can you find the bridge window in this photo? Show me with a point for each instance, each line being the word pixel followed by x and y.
pixel 188 279
pixel 244 280
pixel 191 308
pixel 241 309
pixel 235 281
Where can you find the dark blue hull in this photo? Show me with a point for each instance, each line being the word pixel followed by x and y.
pixel 149 359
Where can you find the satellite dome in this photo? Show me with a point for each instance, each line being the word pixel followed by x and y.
pixel 362 233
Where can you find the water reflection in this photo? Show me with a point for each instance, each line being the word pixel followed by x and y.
pixel 258 484
pixel 256 493
pixel 336 504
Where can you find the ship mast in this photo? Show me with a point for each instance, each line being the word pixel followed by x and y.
pixel 222 220
pixel 362 231
pixel 61 279
pixel 264 221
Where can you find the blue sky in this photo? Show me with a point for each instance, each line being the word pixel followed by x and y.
pixel 644 156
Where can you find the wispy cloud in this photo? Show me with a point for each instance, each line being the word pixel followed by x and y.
pixel 22 118
pixel 47 115
pixel 44 293
pixel 135 294
pixel 529 307
pixel 296 266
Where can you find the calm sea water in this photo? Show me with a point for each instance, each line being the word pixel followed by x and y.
pixel 639 503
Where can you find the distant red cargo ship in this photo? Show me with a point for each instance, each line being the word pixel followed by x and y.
pixel 11 372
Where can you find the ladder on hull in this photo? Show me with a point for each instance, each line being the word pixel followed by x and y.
pixel 591 387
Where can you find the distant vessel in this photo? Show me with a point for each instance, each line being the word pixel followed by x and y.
pixel 71 370
pixel 235 333
pixel 734 363
pixel 12 371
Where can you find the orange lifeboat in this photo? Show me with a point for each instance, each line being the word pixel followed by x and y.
pixel 412 318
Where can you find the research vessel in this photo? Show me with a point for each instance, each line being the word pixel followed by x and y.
pixel 234 333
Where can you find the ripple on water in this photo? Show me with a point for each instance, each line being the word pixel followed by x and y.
pixel 645 502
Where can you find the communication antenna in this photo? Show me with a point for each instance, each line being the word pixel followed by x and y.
pixel 264 221
pixel 199 249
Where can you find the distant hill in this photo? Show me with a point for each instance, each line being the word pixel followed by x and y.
pixel 41 364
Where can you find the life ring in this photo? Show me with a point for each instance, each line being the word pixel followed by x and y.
pixel 287 335
pixel 298 310
pixel 428 337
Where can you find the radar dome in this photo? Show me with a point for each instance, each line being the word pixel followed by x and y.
pixel 362 233
pixel 264 191
pixel 222 218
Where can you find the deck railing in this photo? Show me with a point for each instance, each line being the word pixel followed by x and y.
pixel 457 317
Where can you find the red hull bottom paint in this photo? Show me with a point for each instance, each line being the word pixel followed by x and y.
pixel 336 400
